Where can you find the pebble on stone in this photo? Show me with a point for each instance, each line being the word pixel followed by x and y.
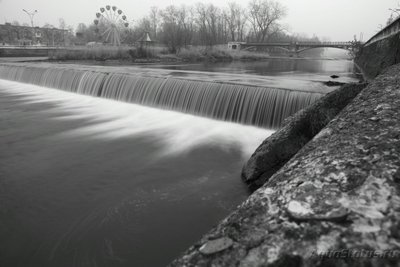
pixel 298 209
pixel 216 245
pixel 302 211
pixel 374 119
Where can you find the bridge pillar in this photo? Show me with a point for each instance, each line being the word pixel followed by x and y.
pixel 293 50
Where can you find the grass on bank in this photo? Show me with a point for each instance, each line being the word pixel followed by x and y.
pixel 218 54
pixel 93 53
pixel 192 54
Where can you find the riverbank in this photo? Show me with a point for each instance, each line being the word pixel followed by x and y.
pixel 155 55
pixel 339 193
pixel 129 55
pixel 152 55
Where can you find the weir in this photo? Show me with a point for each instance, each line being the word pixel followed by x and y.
pixel 245 104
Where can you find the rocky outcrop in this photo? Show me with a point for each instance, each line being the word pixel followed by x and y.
pixel 374 58
pixel 335 203
pixel 281 146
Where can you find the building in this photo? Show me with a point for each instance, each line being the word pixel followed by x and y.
pixel 235 45
pixel 13 35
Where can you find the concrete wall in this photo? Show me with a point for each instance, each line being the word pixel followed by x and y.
pixel 381 51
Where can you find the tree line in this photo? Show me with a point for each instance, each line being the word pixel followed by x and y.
pixel 199 24
pixel 206 25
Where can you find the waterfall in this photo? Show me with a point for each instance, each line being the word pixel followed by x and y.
pixel 258 106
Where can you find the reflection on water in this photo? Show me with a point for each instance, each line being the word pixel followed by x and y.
pixel 285 69
pixel 273 66
pixel 91 182
pixel 288 68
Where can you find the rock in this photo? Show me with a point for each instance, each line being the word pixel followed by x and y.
pixel 382 107
pixel 216 245
pixel 332 83
pixel 299 210
pixel 302 211
pixel 319 203
pixel 374 119
pixel 276 150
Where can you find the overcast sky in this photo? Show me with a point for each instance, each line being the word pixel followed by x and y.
pixel 338 20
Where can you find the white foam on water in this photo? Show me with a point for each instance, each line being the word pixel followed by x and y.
pixel 111 119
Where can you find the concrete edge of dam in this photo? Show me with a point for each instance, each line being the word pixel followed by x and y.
pixel 188 75
pixel 335 203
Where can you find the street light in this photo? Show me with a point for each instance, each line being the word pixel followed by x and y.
pixel 396 10
pixel 31 15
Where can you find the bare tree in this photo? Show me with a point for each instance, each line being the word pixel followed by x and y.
pixel 186 20
pixel 210 23
pixel 236 19
pixel 81 28
pixel 172 28
pixel 264 16
pixel 154 20
pixel 230 17
pixel 88 33
pixel 241 22
pixel 144 25
pixel 61 23
pixel 201 21
pixel 212 19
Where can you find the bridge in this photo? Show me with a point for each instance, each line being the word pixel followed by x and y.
pixel 295 47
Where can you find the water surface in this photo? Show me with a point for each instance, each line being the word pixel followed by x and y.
pixel 86 181
pixel 303 74
pixel 93 182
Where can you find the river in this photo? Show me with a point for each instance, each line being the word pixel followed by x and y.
pixel 87 181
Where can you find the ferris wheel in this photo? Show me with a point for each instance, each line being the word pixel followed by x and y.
pixel 112 20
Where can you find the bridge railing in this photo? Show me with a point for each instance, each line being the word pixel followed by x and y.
pixel 324 43
pixel 391 29
pixel 300 44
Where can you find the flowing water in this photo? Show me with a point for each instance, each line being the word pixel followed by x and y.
pixel 102 168
pixel 241 103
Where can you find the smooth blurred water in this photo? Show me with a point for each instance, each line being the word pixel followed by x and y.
pixel 243 99
pixel 86 181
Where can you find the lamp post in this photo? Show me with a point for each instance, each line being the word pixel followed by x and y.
pixel 31 15
pixel 395 10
